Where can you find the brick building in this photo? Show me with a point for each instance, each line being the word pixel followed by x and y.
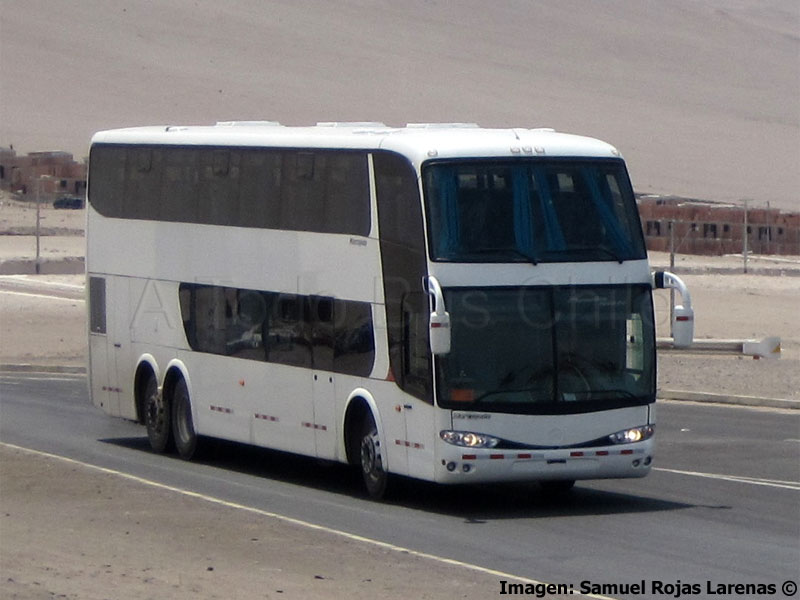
pixel 715 229
pixel 57 173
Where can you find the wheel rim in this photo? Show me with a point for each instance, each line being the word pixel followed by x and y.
pixel 156 415
pixel 371 462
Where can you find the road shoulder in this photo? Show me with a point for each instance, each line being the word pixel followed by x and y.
pixel 69 531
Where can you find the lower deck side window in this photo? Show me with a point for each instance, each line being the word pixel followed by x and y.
pixel 305 331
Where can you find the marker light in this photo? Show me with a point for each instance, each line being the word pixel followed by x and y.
pixel 632 435
pixel 468 439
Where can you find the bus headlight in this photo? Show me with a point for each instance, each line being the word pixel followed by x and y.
pixel 468 439
pixel 632 435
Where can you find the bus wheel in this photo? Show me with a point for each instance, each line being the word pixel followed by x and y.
pixel 156 417
pixel 182 424
pixel 375 477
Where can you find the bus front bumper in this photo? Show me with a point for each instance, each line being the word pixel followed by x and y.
pixel 465 465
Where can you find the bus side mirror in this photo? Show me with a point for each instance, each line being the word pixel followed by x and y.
pixel 440 334
pixel 683 315
pixel 683 327
pixel 439 323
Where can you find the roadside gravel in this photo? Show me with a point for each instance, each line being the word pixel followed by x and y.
pixel 69 531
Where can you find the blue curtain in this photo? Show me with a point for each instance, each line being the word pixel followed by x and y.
pixel 555 237
pixel 523 220
pixel 449 217
pixel 602 204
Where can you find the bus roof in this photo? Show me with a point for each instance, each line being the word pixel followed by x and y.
pixel 417 141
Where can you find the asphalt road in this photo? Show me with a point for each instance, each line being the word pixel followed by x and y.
pixel 722 504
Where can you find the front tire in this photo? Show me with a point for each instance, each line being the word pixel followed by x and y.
pixel 157 417
pixel 372 460
pixel 183 432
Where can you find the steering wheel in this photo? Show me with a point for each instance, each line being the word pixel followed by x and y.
pixel 572 371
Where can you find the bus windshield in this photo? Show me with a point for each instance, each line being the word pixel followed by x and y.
pixel 532 210
pixel 549 350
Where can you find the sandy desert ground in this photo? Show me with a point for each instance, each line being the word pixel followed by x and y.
pixel 78 534
pixel 701 96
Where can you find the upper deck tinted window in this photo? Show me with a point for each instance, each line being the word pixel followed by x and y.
pixel 324 191
pixel 545 210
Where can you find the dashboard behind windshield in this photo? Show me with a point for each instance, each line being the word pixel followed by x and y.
pixel 532 210
pixel 554 350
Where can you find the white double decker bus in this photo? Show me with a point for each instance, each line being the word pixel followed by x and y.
pixel 439 301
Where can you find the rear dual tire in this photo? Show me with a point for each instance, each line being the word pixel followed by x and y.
pixel 183 431
pixel 157 417
pixel 168 418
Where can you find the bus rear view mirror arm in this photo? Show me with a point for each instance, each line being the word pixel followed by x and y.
pixel 439 323
pixel 683 315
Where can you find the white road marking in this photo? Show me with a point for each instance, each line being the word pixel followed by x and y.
pixel 293 521
pixel 36 280
pixel 13 377
pixel 788 485
pixel 46 296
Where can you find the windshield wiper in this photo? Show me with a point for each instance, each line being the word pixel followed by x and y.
pixel 589 394
pixel 504 391
pixel 602 249
pixel 513 251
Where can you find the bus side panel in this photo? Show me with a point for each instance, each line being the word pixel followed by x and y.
pixel 119 336
pixel 98 341
pixel 98 371
pixel 257 259
pixel 219 401
pixel 253 402
pixel 147 321
pixel 420 418
pixel 283 409
pixel 324 412
pixel 156 318
pixel 109 345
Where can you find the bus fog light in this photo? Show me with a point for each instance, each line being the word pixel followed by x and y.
pixel 637 462
pixel 632 435
pixel 466 468
pixel 648 460
pixel 451 466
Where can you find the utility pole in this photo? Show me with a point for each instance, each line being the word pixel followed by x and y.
pixel 39 181
pixel 38 222
pixel 769 231
pixel 744 236
pixel 671 270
